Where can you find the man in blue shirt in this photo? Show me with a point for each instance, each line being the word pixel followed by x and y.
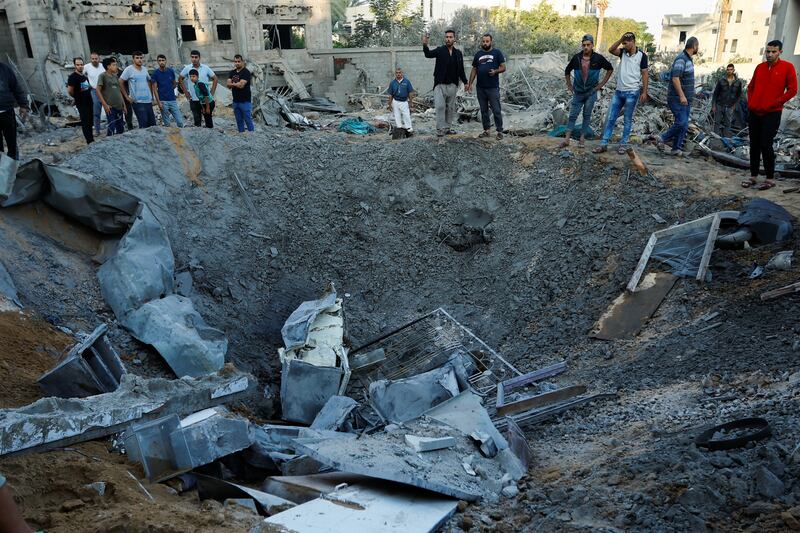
pixel 680 93
pixel 487 65
pixel 400 91
pixel 166 81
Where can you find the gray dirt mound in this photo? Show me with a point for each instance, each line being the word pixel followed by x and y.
pixel 562 234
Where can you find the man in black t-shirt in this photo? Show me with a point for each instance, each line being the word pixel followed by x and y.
pixel 79 89
pixel 487 65
pixel 239 84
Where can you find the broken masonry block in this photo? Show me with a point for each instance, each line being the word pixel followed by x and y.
pixel 90 367
pixel 334 413
pixel 428 444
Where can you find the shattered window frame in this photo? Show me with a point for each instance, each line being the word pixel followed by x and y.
pixel 188 33
pixel 120 39
pixel 26 41
pixel 275 34
pixel 227 29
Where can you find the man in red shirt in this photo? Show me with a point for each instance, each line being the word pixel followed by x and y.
pixel 774 83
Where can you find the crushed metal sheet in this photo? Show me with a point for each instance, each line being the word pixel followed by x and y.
pixel 56 422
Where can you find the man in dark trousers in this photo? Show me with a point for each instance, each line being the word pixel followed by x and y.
pixel 11 94
pixel 774 83
pixel 487 65
pixel 726 97
pixel 81 92
pixel 583 81
pixel 239 83
pixel 447 72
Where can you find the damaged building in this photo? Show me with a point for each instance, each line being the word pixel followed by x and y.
pixel 42 40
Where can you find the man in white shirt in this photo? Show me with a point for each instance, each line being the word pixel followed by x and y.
pixel 632 82
pixel 92 72
pixel 204 75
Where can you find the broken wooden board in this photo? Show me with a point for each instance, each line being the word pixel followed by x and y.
pixel 375 509
pixel 783 291
pixel 631 310
pixel 540 400
pixel 302 489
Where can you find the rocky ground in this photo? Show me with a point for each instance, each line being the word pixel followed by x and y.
pixel 382 220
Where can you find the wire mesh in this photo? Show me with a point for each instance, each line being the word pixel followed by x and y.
pixel 428 343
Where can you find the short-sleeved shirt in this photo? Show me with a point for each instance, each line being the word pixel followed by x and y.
pixel 204 74
pixel 399 90
pixel 93 73
pixel 683 69
pixel 202 93
pixel 164 79
pixel 630 70
pixel 138 84
pixel 108 85
pixel 81 90
pixel 242 95
pixel 485 61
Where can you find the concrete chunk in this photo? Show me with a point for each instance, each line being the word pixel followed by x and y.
pixel 427 444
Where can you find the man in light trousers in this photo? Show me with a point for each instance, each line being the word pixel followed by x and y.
pixel 447 73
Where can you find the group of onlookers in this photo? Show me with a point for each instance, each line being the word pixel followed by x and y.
pixel 136 91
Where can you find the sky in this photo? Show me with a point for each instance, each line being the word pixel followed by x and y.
pixel 652 11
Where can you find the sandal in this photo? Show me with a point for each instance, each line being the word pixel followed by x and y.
pixel 749 183
pixel 564 143
pixel 483 135
pixel 765 185
pixel 622 150
pixel 600 149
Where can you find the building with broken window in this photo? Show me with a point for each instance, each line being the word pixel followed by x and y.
pixel 736 30
pixel 43 37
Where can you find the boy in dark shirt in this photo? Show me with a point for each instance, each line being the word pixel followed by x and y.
pixel 239 84
pixel 79 89
pixel 204 96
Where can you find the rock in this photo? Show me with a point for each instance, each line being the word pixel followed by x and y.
pixel 71 505
pixel 462 506
pixel 98 486
pixel 759 508
pixel 790 521
pixel 466 523
pixel 510 491
pixel 768 484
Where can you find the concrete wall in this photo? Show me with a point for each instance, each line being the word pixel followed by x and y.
pixel 58 29
pixel 785 26
pixel 378 65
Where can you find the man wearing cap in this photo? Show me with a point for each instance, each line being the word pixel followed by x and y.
pixel 632 82
pixel 583 81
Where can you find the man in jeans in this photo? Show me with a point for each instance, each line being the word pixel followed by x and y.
pixel 680 93
pixel 487 65
pixel 204 75
pixel 11 94
pixel 724 100
pixel 239 83
pixel 137 88
pixel 632 83
pixel 583 81
pixel 92 72
pixel 165 81
pixel 773 84
pixel 108 91
pixel 447 72
pixel 79 89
